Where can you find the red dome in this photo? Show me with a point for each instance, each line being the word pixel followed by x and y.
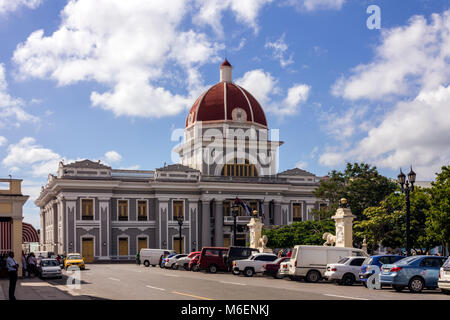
pixel 218 103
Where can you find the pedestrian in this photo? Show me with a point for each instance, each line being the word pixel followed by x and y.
pixel 31 264
pixel 280 253
pixel 12 266
pixel 24 265
pixel 138 261
pixel 289 253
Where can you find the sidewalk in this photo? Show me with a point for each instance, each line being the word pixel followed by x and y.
pixel 37 289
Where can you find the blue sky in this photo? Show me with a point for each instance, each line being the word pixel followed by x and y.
pixel 111 80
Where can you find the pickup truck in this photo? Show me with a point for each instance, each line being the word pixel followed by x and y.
pixel 254 264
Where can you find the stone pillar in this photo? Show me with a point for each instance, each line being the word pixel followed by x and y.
pixel 277 213
pixel 218 234
pixel 266 213
pixel 16 239
pixel 206 224
pixel 344 227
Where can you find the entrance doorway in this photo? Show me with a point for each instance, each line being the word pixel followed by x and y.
pixel 142 244
pixel 87 249
pixel 177 243
pixel 240 240
pixel 123 246
pixel 226 240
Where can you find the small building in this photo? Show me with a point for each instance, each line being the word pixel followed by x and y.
pixel 11 204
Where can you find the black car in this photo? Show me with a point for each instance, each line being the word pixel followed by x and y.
pixel 238 253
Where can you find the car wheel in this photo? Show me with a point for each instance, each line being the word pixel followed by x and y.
pixel 313 276
pixel 146 263
pixel 445 291
pixel 277 276
pixel 249 272
pixel 348 279
pixel 416 285
pixel 235 272
pixel 195 268
pixel 174 266
pixel 212 269
pixel 186 267
pixel 398 288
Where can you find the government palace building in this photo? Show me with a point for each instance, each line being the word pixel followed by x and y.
pixel 228 155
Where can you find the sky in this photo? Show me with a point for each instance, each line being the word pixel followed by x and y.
pixel 113 80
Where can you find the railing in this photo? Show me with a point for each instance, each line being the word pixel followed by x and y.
pixel 238 219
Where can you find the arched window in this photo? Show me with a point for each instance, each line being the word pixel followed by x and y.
pixel 236 169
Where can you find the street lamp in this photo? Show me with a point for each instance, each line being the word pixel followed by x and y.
pixel 180 220
pixel 235 210
pixel 406 189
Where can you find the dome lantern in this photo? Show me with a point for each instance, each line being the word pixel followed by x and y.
pixel 225 71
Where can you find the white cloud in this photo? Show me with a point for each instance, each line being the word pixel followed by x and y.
pixel 245 11
pixel 11 109
pixel 3 141
pixel 342 126
pixel 27 153
pixel 313 5
pixel 279 48
pixel 262 85
pixel 301 165
pixel 296 95
pixel 416 130
pixel 97 41
pixel 410 58
pixel 13 5
pixel 112 156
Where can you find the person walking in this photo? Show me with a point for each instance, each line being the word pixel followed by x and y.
pixel 138 261
pixel 32 264
pixel 289 253
pixel 12 266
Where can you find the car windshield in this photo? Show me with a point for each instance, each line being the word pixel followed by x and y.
pixel 50 263
pixel 447 263
pixel 74 257
pixel 406 260
pixel 342 261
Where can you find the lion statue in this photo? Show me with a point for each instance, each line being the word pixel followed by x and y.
pixel 329 239
pixel 263 242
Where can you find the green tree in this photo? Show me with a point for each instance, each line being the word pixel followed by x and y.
pixel 302 232
pixel 386 223
pixel 439 213
pixel 360 183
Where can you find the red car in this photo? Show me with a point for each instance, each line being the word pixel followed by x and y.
pixel 193 264
pixel 271 269
pixel 211 259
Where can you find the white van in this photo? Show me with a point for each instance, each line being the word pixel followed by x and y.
pixel 310 262
pixel 153 256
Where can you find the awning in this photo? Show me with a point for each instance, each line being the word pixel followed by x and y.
pixel 29 233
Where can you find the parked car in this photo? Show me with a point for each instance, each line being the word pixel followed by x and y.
pixel 184 262
pixel 211 259
pixel 193 264
pixel 49 268
pixel 253 264
pixel 153 257
pixel 444 277
pixel 166 259
pixel 283 271
pixel 238 253
pixel 415 272
pixel 345 271
pixel 310 262
pixel 170 263
pixel 272 268
pixel 372 265
pixel 74 259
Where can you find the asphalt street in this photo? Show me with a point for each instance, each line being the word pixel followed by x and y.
pixel 130 281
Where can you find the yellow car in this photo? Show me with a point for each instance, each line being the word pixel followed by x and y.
pixel 74 259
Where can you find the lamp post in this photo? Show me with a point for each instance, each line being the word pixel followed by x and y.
pixel 235 210
pixel 407 187
pixel 180 220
